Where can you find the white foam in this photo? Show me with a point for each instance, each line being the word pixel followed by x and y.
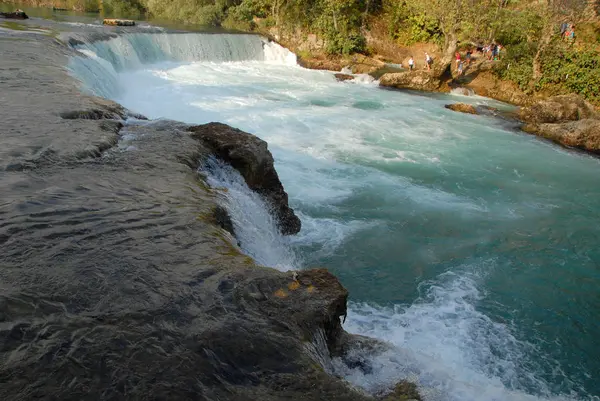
pixel 442 342
pixel 254 225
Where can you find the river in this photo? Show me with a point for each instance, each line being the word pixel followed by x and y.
pixel 468 245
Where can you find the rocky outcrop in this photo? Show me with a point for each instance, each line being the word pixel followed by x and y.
pixel 250 156
pixel 17 14
pixel 343 77
pixel 581 134
pixel 558 109
pixel 462 108
pixel 418 80
pixel 568 120
pixel 118 22
pixel 404 391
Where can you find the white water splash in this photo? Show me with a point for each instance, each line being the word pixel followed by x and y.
pixel 254 225
pixel 441 341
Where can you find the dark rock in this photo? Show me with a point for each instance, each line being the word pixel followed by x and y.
pixel 462 108
pixel 582 134
pixel 223 220
pixel 343 77
pixel 558 109
pixel 17 14
pixel 404 391
pixel 250 156
pixel 418 80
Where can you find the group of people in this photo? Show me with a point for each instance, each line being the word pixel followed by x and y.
pixel 428 62
pixel 492 52
pixel 460 64
pixel 567 31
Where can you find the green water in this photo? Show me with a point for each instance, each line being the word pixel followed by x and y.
pixel 468 245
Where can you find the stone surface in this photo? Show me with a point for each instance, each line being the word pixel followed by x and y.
pixel 17 14
pixel 558 109
pixel 418 80
pixel 344 77
pixel 250 156
pixel 462 108
pixel 581 134
pixel 118 22
pixel 404 391
pixel 113 286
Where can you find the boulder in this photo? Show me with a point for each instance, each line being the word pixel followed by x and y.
pixel 118 22
pixel 558 109
pixel 581 134
pixel 404 391
pixel 343 77
pixel 462 108
pixel 17 14
pixel 249 155
pixel 419 80
pixel 361 64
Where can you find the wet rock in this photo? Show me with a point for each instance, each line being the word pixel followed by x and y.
pixel 581 134
pixel 17 14
pixel 118 22
pixel 418 80
pixel 104 110
pixel 223 220
pixel 404 391
pixel 462 108
pixel 558 109
pixel 343 77
pixel 461 90
pixel 250 156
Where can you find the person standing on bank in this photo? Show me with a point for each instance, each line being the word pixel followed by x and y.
pixel 411 63
pixel 428 61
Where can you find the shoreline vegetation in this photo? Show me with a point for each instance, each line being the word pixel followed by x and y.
pixel 538 55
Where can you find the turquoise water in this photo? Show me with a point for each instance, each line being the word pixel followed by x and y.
pixel 469 246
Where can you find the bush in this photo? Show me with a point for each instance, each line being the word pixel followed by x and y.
pixel 408 28
pixel 572 70
pixel 517 64
pixel 123 8
pixel 346 44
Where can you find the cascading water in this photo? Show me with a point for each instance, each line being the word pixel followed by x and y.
pixel 106 58
pixel 255 227
pixel 471 249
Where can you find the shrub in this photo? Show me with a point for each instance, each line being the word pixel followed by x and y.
pixel 572 70
pixel 517 64
pixel 345 44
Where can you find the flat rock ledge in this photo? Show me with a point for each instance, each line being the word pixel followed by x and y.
pixel 462 108
pixel 417 80
pixel 251 157
pixel 568 120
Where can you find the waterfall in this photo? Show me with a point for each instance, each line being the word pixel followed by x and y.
pixel 100 61
pixel 254 225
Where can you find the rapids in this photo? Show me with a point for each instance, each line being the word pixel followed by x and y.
pixel 469 246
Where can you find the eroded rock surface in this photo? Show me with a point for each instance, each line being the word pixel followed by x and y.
pixel 568 120
pixel 343 77
pixel 418 80
pixel 17 14
pixel 462 108
pixel 250 156
pixel 558 109
pixel 581 134
pixel 113 285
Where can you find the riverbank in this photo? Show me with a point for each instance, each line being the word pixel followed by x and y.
pixel 120 277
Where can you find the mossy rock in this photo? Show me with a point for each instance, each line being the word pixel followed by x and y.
pixel 404 391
